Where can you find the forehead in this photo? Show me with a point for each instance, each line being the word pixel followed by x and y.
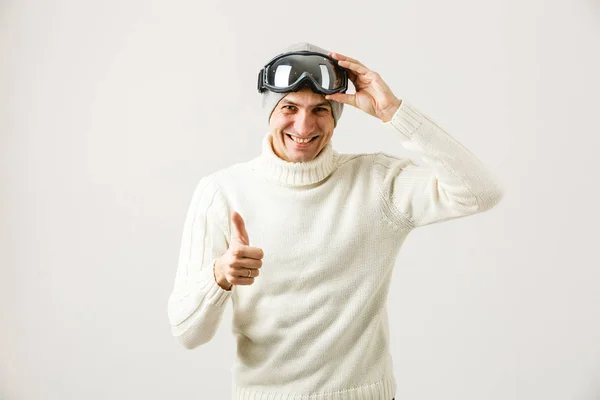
pixel 305 98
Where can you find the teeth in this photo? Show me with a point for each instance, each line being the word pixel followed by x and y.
pixel 297 140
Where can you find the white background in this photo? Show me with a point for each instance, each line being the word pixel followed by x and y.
pixel 111 111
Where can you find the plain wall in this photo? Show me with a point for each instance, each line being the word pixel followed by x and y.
pixel 110 113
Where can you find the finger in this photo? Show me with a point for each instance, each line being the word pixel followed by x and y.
pixel 244 273
pixel 243 251
pixel 241 276
pixel 254 253
pixel 248 263
pixel 249 275
pixel 238 229
pixel 355 67
pixel 342 98
pixel 239 281
pixel 351 75
pixel 339 56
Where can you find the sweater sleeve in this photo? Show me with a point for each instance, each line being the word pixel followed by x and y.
pixel 197 302
pixel 450 182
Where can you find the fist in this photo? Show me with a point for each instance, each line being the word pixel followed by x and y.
pixel 241 263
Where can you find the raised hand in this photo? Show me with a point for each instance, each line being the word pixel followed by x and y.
pixel 372 96
pixel 241 262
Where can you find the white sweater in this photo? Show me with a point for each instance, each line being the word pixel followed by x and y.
pixel 314 323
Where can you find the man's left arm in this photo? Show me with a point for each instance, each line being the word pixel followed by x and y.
pixel 451 183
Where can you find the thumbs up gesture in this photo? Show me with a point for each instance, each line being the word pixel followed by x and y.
pixel 241 262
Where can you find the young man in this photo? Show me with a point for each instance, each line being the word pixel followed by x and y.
pixel 309 294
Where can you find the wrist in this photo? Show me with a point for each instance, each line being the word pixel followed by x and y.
pixel 221 281
pixel 387 113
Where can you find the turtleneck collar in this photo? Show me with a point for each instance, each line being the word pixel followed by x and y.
pixel 295 173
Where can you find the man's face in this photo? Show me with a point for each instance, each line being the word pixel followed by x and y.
pixel 303 115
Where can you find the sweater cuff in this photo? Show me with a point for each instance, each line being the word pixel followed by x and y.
pixel 406 120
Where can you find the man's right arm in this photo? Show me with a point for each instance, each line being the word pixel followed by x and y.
pixel 197 302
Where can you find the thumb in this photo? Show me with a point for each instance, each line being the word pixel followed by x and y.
pixel 238 229
pixel 342 98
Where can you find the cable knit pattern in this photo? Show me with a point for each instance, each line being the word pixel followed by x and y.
pixel 314 324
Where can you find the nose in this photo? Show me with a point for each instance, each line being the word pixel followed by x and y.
pixel 304 123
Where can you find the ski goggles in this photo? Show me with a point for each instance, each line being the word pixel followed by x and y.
pixel 290 72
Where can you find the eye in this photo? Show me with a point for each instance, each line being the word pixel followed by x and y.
pixel 289 107
pixel 321 109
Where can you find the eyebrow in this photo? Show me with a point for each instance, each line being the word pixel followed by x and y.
pixel 324 103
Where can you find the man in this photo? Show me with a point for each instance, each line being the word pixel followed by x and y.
pixel 309 294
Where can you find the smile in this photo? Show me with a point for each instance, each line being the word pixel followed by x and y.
pixel 301 141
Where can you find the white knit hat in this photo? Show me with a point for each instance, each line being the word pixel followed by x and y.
pixel 271 99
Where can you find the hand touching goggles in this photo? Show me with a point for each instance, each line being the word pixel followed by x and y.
pixel 290 72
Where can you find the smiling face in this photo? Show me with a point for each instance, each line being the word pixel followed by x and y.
pixel 299 116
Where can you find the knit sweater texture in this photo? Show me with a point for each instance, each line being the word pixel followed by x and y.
pixel 314 324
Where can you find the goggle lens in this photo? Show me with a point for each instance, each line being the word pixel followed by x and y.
pixel 292 71
pixel 286 71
